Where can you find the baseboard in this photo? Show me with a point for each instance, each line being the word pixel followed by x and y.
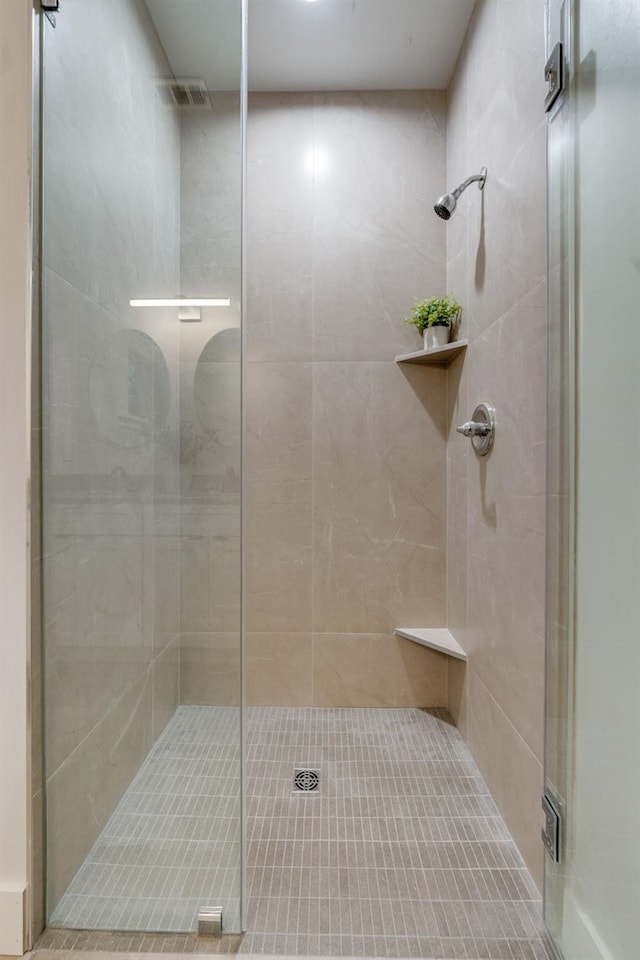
pixel 13 902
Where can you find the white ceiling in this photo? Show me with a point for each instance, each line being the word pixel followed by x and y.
pixel 321 45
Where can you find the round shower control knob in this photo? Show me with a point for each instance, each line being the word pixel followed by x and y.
pixel 481 428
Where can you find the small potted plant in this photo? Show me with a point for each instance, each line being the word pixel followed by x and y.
pixel 434 319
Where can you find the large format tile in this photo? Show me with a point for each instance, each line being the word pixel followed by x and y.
pixel 512 772
pixel 382 670
pixel 165 691
pixel 278 526
pixel 210 198
pixel 279 227
pixel 496 262
pixel 377 246
pixel 279 669
pixel 378 497
pixel 210 669
pixel 507 519
pixel 83 792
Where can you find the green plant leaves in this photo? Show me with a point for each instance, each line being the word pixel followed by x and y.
pixel 436 312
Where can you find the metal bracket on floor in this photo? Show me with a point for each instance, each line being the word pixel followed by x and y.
pixel 210 922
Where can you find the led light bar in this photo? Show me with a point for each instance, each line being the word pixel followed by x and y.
pixel 183 302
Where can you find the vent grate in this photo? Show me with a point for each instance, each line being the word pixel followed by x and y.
pixel 306 781
pixel 186 94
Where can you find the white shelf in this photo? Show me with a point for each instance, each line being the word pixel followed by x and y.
pixel 439 355
pixel 438 638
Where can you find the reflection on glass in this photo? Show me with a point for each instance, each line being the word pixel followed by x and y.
pixel 129 388
pixel 141 511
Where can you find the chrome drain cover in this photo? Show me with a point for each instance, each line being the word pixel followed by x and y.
pixel 306 780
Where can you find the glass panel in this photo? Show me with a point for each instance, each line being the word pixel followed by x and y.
pixel 560 450
pixel 142 182
pixel 592 896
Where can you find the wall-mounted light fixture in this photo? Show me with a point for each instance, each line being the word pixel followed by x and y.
pixel 183 302
pixel 188 307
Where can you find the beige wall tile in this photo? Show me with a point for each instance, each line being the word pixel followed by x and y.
pixel 378 497
pixel 376 670
pixel 210 669
pixel 457 699
pixel 280 227
pixel 210 198
pixel 377 245
pixel 337 250
pixel 165 589
pixel 224 584
pixel 512 772
pixel 496 263
pixel 84 790
pixel 279 497
pixel 506 518
pixel 84 682
pixel 278 670
pixel 194 584
pixel 165 681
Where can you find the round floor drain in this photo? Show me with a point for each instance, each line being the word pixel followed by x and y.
pixel 306 780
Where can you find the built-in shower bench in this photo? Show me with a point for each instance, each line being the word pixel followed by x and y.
pixel 438 638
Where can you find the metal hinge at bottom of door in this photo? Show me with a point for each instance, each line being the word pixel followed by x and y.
pixel 50 8
pixel 210 922
pixel 554 75
pixel 551 829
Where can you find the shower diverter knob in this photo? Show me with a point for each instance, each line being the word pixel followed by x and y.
pixel 481 428
pixel 474 429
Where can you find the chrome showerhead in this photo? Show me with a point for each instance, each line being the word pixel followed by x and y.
pixel 448 202
pixel 445 206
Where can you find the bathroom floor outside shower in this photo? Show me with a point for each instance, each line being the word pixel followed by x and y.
pixel 402 853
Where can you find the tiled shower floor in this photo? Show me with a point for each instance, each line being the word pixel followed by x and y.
pixel 402 853
pixel 173 841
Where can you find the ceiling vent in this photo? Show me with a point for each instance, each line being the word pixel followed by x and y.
pixel 186 94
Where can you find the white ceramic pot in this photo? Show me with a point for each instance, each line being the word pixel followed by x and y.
pixel 436 337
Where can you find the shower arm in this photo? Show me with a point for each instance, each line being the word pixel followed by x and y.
pixel 480 177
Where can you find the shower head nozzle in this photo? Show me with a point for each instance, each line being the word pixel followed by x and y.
pixel 447 203
pixel 445 206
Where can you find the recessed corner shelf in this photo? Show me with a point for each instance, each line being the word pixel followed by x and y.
pixel 438 638
pixel 438 355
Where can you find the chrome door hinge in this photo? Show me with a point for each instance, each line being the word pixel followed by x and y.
pixel 554 75
pixel 551 829
pixel 50 8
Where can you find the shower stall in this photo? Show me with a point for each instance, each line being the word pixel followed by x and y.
pixel 243 495
pixel 240 506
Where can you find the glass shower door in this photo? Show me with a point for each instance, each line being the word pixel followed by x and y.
pixel 142 180
pixel 593 709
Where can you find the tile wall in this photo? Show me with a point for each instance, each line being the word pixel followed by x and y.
pixel 345 459
pixel 210 405
pixel 496 266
